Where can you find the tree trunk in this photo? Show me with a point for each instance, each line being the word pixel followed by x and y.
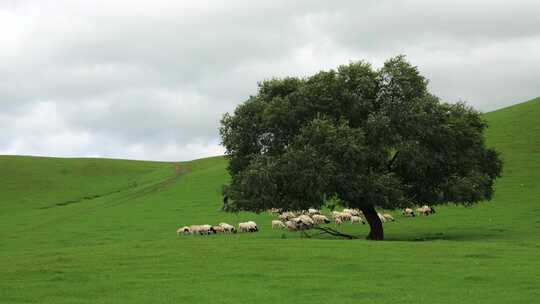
pixel 375 225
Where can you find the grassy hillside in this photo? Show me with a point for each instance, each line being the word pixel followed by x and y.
pixel 103 231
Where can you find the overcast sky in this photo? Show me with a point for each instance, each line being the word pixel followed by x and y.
pixel 151 79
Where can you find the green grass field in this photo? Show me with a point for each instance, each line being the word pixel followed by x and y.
pixel 103 231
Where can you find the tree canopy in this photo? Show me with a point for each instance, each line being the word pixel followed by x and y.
pixel 372 138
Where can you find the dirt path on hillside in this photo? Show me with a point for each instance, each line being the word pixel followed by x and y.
pixel 179 170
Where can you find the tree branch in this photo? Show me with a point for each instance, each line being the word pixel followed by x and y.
pixel 391 163
pixel 334 232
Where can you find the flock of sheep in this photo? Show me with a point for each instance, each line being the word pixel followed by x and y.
pixel 424 210
pixel 250 226
pixel 301 220
pixel 305 220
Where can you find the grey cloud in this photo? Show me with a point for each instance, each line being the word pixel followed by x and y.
pixel 150 80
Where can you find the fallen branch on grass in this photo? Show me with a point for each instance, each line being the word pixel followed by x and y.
pixel 334 232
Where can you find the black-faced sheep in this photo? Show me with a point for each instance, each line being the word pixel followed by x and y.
pixel 425 210
pixel 408 212
pixel 304 222
pixel 320 219
pixel 388 217
pixel 217 229
pixel 205 229
pixel 183 230
pixel 250 226
pixel 228 228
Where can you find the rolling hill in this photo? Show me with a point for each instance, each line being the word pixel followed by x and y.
pixel 103 231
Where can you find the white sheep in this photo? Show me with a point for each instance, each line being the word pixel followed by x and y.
pixel 227 227
pixel 431 209
pixel 313 211
pixel 217 229
pixel 253 226
pixel 200 229
pixel 408 212
pixel 304 222
pixel 243 227
pixel 277 224
pixel 388 217
pixel 291 225
pixel 194 229
pixel 184 230
pixel 250 226
pixel 345 216
pixel 357 219
pixel 352 212
pixel 381 217
pixel 287 215
pixel 205 229
pixel 425 210
pixel 320 219
pixel 337 215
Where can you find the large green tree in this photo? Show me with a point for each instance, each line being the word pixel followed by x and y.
pixel 372 138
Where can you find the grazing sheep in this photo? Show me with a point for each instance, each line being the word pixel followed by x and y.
pixel 287 215
pixel 305 218
pixel 291 225
pixel 337 215
pixel 421 211
pixel 200 229
pixel 338 221
pixel 243 227
pixel 320 219
pixel 253 226
pixel 313 211
pixel 381 217
pixel 431 209
pixel 184 230
pixel 250 226
pixel 408 212
pixel 194 229
pixel 304 222
pixel 352 212
pixel 277 224
pixel 228 228
pixel 388 217
pixel 345 216
pixel 205 229
pixel 217 229
pixel 425 210
pixel 357 219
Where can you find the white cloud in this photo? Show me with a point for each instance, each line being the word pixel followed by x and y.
pixel 150 80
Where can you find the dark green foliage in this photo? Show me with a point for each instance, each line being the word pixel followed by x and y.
pixel 369 138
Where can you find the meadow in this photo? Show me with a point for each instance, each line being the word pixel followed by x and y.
pixel 103 231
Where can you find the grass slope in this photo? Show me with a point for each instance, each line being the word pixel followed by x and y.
pixel 119 245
